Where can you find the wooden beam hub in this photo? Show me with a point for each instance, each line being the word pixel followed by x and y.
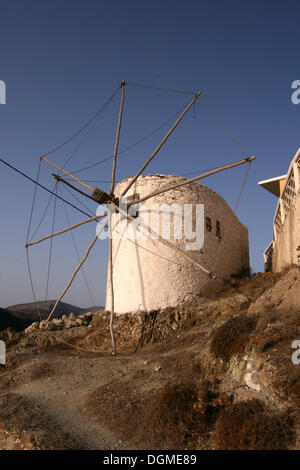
pixel 102 197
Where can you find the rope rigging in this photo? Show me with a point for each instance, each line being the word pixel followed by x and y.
pixel 227 233
pixel 55 149
pixel 40 185
pixel 130 147
pixel 43 215
pixel 77 252
pixel 51 246
pixel 219 122
pixel 140 85
pixel 242 188
pixel 87 128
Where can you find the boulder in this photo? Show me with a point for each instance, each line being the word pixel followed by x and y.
pixel 33 326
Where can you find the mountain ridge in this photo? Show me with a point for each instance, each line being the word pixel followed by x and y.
pixel 9 320
pixel 20 316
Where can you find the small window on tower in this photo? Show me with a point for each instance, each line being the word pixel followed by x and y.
pixel 208 224
pixel 218 230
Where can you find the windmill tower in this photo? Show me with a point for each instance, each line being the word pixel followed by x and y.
pixel 149 275
pixel 158 271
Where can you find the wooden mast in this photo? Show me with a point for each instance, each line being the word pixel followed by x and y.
pixel 67 229
pixel 75 272
pixel 110 246
pixel 103 198
pixel 165 242
pixel 161 143
pixel 192 180
pixel 113 178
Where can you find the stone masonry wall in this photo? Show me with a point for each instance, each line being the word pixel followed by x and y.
pixel 152 276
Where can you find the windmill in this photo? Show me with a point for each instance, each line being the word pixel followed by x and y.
pixel 116 204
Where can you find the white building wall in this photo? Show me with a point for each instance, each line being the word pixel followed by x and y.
pixel 286 247
pixel 153 276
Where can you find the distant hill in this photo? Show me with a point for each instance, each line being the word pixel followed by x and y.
pixel 9 320
pixel 30 311
pixel 94 309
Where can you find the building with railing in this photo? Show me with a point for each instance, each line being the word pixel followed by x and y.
pixel 284 250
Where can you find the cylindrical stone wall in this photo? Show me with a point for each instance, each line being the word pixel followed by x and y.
pixel 147 274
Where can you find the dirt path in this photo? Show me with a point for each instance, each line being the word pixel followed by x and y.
pixel 93 399
pixel 59 382
pixel 62 392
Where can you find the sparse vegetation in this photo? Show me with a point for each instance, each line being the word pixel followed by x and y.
pixel 180 415
pixel 249 425
pixel 170 419
pixel 184 414
pixel 231 337
pixel 166 388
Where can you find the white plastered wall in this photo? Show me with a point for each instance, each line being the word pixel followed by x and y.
pixel 153 276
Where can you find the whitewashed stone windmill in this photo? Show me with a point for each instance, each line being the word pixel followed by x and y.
pixel 155 271
pixel 207 241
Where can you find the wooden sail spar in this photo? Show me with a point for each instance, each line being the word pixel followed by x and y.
pixel 102 197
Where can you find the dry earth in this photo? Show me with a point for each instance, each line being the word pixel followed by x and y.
pixel 182 377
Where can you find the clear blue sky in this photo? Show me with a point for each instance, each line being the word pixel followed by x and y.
pixel 62 59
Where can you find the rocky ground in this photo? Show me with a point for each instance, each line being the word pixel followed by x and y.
pixel 213 374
